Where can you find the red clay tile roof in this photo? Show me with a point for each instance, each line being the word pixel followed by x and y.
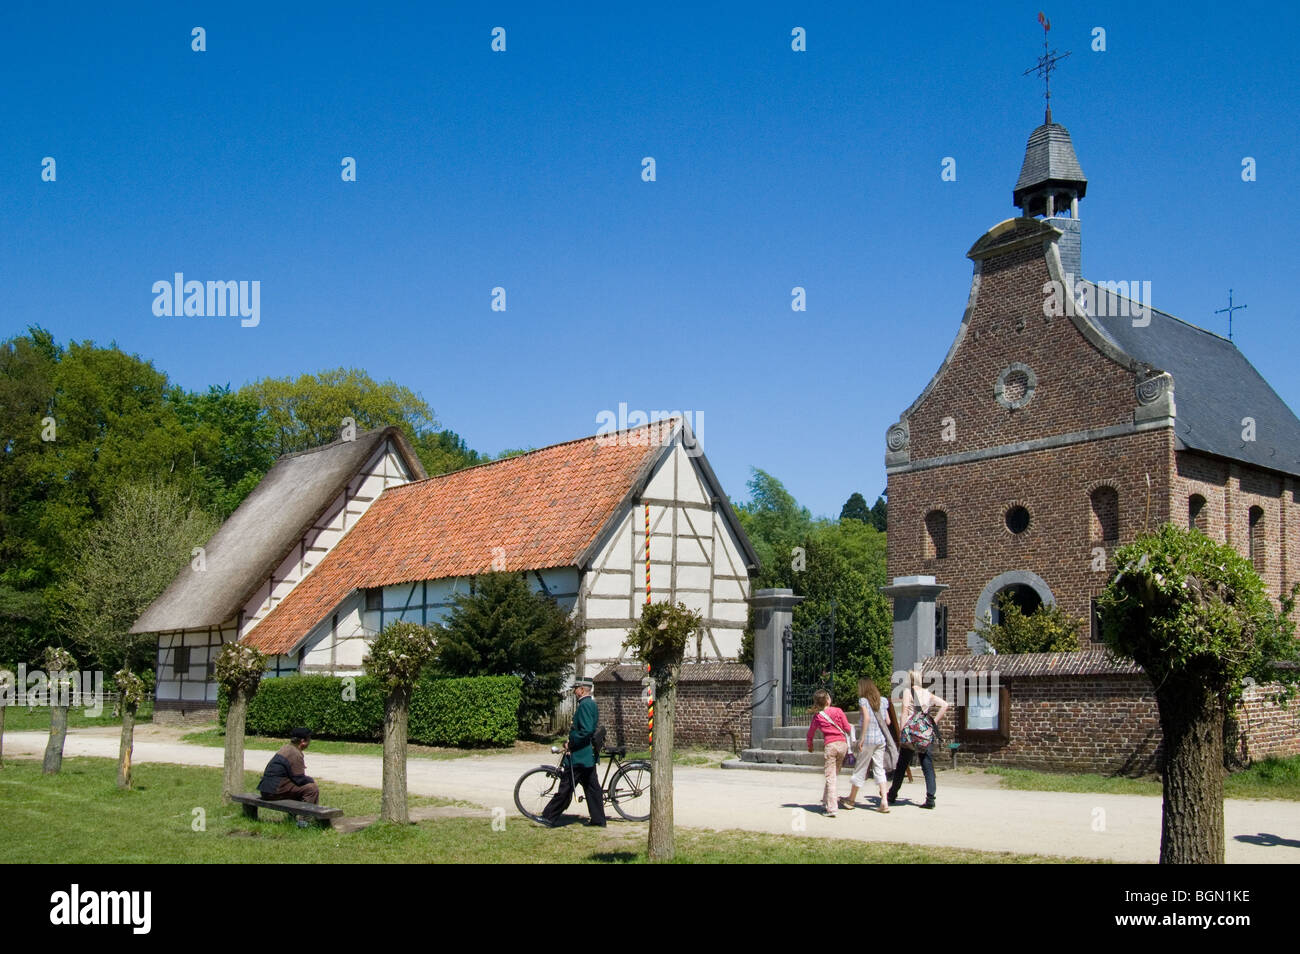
pixel 542 508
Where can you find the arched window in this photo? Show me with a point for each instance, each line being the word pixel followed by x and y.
pixel 1257 550
pixel 1197 514
pixel 1104 520
pixel 936 535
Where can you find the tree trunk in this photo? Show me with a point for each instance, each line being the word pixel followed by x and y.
pixel 58 733
pixel 661 760
pixel 128 744
pixel 393 805
pixel 232 778
pixel 1191 825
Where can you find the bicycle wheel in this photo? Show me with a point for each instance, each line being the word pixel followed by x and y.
pixel 534 789
pixel 630 791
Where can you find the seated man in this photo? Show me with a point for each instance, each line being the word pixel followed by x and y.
pixel 286 774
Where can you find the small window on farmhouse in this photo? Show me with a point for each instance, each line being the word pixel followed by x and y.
pixel 1095 617
pixel 1104 520
pixel 374 599
pixel 1196 515
pixel 940 629
pixel 181 660
pixel 1257 554
pixel 1017 519
pixel 936 535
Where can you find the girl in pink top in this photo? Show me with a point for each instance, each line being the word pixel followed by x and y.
pixel 836 732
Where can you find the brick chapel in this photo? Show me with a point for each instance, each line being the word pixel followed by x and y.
pixel 1067 417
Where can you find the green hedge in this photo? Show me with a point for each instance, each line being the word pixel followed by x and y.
pixel 473 711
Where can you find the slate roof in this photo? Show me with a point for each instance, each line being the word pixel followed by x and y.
pixel 1080 662
pixel 262 531
pixel 547 508
pixel 1049 158
pixel 712 671
pixel 1214 388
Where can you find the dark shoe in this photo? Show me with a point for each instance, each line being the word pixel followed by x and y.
pixel 591 824
pixel 929 802
pixel 543 823
pixel 893 798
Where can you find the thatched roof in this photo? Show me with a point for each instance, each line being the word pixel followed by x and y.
pixel 264 529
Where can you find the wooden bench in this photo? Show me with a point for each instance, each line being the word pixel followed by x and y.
pixel 318 813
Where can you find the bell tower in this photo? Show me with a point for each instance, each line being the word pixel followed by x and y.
pixel 1051 181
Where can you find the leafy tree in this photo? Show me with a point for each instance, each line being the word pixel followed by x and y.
pixel 123 564
pixel 308 411
pixel 774 523
pixel 879 515
pixel 442 452
pixel 77 424
pixel 395 659
pixel 1195 616
pixel 503 628
pixel 828 562
pixel 234 445
pixel 855 508
pixel 1047 629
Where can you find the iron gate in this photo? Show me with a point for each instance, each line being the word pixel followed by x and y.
pixel 809 665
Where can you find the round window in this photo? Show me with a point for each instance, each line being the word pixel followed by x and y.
pixel 1017 519
pixel 1015 386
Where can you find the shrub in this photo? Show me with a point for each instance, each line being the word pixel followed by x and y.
pixel 462 712
pixel 503 628
pixel 1047 629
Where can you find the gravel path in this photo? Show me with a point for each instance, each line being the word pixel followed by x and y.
pixel 971 812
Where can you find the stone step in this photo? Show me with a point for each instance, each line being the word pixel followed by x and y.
pixel 782 759
pixel 782 756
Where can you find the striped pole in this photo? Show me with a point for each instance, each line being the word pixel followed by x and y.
pixel 647 554
pixel 650 708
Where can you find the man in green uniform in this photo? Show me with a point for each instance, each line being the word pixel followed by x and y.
pixel 580 762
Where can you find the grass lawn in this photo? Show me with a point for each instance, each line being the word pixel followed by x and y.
pixel 79 816
pixel 23 719
pixel 1270 778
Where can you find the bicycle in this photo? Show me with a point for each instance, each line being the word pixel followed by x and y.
pixel 628 788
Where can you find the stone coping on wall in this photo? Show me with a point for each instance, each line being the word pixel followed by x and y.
pixel 691 672
pixel 1081 662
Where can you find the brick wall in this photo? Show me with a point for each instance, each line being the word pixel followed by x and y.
pixel 1056 487
pixel 1079 712
pixel 712 705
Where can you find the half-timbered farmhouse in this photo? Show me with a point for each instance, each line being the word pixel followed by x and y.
pixel 394 545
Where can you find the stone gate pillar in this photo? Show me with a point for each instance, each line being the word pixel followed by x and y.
pixel 914 598
pixel 773 612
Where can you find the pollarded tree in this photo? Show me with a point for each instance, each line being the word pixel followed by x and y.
pixel 503 628
pixel 659 640
pixel 239 671
pixel 1195 616
pixel 130 688
pixel 60 668
pixel 395 659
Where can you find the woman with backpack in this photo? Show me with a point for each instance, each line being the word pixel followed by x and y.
pixel 917 703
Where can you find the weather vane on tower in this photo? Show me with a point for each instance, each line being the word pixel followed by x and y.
pixel 1046 63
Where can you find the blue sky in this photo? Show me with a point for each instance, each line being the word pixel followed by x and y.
pixel 522 170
